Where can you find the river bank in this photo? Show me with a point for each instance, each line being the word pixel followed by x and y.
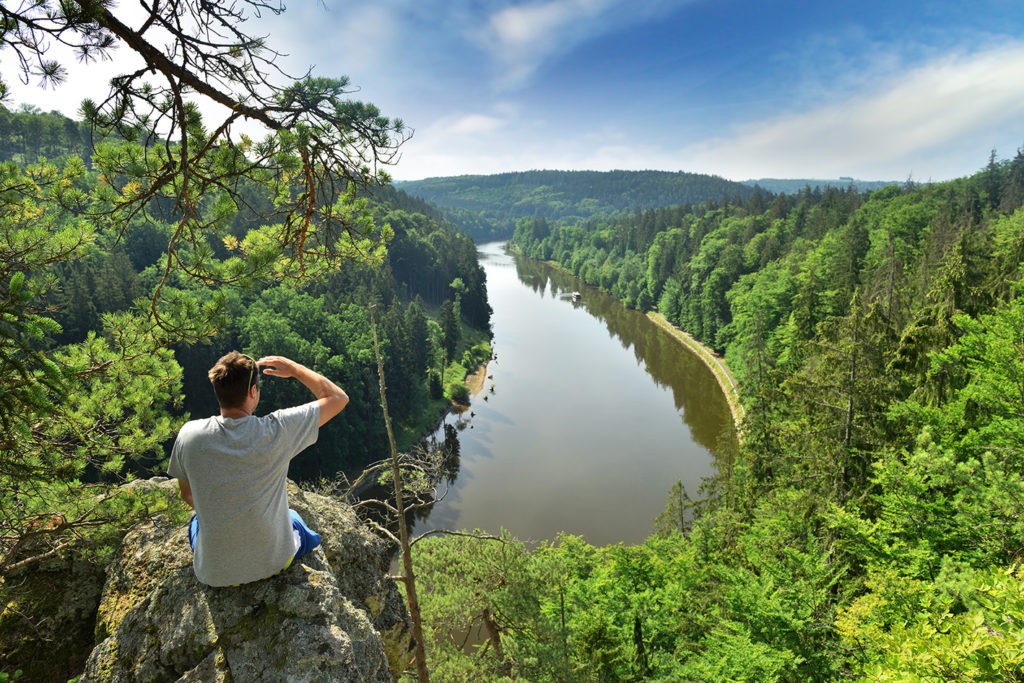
pixel 712 360
pixel 475 380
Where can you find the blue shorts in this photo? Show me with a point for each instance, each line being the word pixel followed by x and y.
pixel 308 539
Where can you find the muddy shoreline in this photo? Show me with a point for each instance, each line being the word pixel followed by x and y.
pixel 711 359
pixel 475 380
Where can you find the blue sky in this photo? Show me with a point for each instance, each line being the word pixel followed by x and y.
pixel 738 88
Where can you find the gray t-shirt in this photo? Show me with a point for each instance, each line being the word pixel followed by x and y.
pixel 237 469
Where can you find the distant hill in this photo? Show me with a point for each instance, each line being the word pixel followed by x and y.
pixel 794 185
pixel 488 206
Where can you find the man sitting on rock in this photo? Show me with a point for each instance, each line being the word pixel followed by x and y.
pixel 232 469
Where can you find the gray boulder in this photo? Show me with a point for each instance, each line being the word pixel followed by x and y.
pixel 332 616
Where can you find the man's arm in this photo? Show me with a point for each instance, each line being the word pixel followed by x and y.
pixel 330 396
pixel 185 491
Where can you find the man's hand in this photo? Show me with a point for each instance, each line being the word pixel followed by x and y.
pixel 330 396
pixel 278 366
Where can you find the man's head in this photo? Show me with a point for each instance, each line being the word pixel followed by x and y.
pixel 233 377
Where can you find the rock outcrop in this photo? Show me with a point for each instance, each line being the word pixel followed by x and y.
pixel 332 616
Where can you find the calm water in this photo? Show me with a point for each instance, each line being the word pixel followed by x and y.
pixel 589 414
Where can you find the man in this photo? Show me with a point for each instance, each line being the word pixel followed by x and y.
pixel 232 469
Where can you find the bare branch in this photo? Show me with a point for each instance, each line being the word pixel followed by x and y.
pixel 467 534
pixel 29 561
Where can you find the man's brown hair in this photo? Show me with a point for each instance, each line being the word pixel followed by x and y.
pixel 231 378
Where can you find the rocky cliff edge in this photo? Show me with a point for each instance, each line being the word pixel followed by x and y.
pixel 333 616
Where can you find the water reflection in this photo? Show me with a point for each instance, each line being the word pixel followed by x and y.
pixel 695 390
pixel 590 412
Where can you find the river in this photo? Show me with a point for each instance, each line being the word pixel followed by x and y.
pixel 589 413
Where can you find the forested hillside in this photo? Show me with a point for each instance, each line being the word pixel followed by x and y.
pixel 486 207
pixel 795 185
pixel 870 525
pixel 111 318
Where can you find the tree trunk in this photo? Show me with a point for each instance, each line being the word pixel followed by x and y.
pixel 409 577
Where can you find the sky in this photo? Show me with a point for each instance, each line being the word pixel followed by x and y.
pixel 743 89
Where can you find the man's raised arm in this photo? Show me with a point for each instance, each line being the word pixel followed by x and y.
pixel 330 396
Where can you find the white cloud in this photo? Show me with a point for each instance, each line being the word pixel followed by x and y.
pixel 470 145
pixel 464 143
pixel 522 37
pixel 528 26
pixel 336 39
pixel 909 119
pixel 472 124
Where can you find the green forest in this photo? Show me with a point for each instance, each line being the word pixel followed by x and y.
pixel 488 207
pixel 869 526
